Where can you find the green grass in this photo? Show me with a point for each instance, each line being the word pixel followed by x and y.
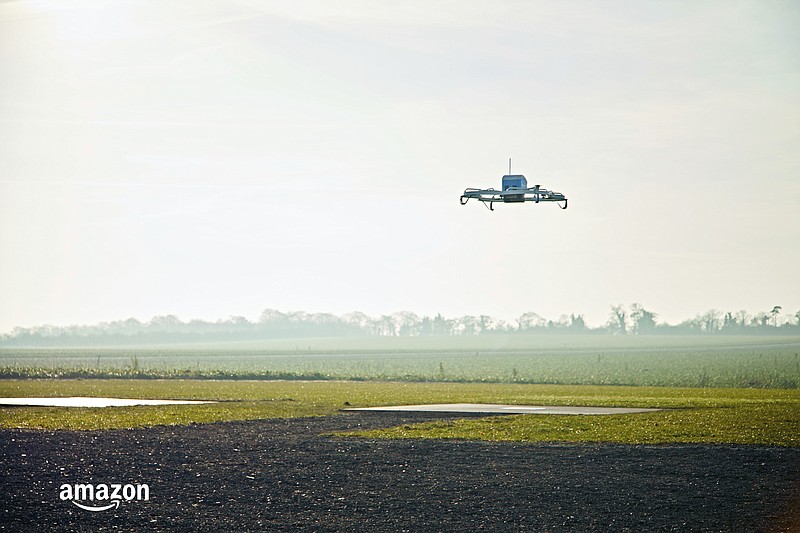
pixel 765 424
pixel 710 415
pixel 665 361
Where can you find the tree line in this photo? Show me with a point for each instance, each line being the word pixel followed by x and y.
pixel 634 319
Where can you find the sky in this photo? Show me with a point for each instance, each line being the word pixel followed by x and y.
pixel 216 158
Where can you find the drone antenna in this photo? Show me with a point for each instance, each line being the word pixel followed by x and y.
pixel 509 166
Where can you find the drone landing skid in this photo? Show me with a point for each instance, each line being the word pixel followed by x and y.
pixel 510 195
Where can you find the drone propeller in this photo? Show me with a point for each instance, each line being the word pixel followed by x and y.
pixel 533 194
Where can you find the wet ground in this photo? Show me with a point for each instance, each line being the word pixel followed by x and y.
pixel 288 475
pixel 86 401
pixel 505 409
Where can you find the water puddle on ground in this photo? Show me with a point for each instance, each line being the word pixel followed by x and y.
pixel 84 401
pixel 506 409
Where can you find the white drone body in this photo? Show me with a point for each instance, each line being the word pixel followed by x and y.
pixel 515 190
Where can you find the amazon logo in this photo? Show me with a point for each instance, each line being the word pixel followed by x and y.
pixel 102 497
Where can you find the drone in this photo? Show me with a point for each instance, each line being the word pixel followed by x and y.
pixel 515 190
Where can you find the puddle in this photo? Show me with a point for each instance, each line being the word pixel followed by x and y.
pixel 507 409
pixel 84 401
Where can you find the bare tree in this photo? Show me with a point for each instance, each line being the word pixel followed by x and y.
pixel 577 323
pixel 359 320
pixel 775 312
pixel 164 322
pixel 760 319
pixel 272 316
pixel 562 322
pixel 530 320
pixel 711 321
pixel 406 323
pixel 468 325
pixel 729 322
pixel 442 326
pixel 743 318
pixel 644 321
pixel 385 326
pixel 618 321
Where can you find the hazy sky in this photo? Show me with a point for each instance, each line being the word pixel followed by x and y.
pixel 215 158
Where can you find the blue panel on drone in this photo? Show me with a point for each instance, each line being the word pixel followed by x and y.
pixel 514 180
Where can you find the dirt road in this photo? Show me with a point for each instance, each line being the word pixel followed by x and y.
pixel 286 475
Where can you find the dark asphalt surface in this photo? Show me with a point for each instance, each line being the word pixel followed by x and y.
pixel 286 475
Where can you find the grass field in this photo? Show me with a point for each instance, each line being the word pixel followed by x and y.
pixel 719 415
pixel 667 361
pixel 742 390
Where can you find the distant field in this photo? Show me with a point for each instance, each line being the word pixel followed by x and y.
pixel 741 416
pixel 674 361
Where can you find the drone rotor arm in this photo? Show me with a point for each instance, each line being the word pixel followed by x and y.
pixel 513 195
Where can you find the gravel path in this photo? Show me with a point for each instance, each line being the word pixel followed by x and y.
pixel 286 475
